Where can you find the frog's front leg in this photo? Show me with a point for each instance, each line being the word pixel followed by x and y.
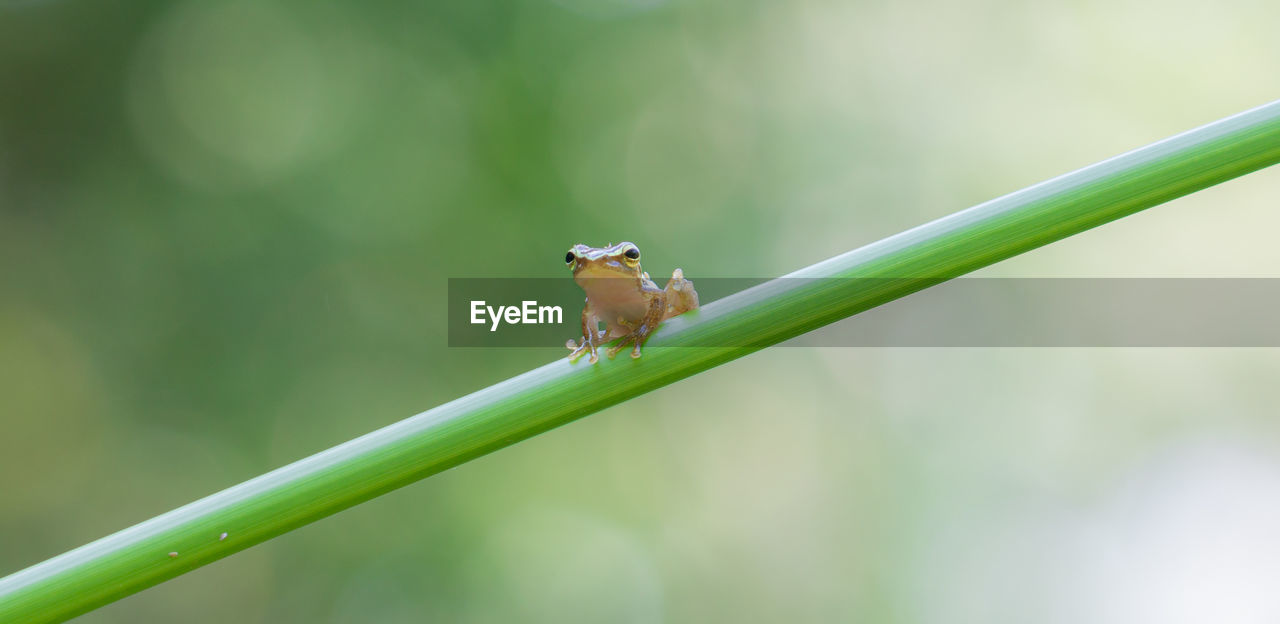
pixel 680 295
pixel 591 336
pixel 657 309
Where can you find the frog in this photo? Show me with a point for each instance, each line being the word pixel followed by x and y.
pixel 620 293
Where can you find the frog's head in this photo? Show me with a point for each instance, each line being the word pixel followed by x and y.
pixel 621 260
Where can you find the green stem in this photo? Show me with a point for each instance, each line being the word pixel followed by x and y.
pixel 552 395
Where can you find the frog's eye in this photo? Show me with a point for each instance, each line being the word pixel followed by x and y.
pixel 568 258
pixel 632 254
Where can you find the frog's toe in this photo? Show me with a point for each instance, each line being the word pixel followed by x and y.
pixel 622 344
pixel 635 353
pixel 579 349
pixel 571 344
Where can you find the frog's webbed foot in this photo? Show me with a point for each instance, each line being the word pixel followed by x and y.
pixel 587 346
pixel 630 339
pixel 680 295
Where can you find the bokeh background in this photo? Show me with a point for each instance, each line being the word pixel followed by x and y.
pixel 226 229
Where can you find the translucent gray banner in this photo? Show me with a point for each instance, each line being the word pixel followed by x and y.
pixel 966 312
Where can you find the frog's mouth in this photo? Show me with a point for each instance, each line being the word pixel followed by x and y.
pixel 602 270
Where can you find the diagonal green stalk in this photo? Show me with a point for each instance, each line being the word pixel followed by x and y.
pixel 559 392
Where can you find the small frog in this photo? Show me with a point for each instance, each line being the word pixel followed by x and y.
pixel 621 294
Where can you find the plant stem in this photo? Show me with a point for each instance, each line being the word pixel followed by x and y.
pixel 559 392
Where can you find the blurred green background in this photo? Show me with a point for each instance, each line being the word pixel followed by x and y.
pixel 226 229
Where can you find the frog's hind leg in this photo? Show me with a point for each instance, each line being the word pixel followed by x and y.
pixel 680 295
pixel 637 336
